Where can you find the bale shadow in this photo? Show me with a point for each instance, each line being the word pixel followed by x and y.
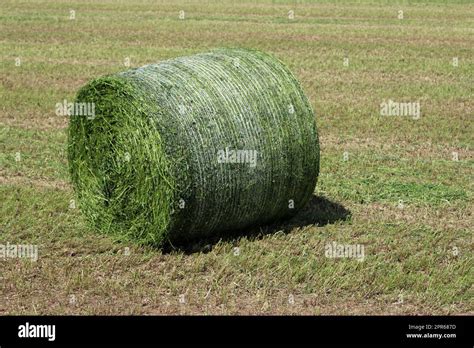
pixel 319 211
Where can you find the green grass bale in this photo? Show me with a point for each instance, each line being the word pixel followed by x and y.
pixel 193 146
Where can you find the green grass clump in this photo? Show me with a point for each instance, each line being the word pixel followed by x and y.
pixel 147 167
pixel 116 161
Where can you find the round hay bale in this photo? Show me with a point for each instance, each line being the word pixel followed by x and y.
pixel 193 146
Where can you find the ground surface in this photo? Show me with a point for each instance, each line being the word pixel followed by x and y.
pixel 398 191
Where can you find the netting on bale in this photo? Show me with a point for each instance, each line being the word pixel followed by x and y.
pixel 193 146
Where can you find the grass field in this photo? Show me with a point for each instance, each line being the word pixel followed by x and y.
pixel 400 186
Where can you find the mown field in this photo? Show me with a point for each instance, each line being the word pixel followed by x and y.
pixel 401 187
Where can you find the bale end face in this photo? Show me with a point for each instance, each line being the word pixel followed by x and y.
pixel 117 164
